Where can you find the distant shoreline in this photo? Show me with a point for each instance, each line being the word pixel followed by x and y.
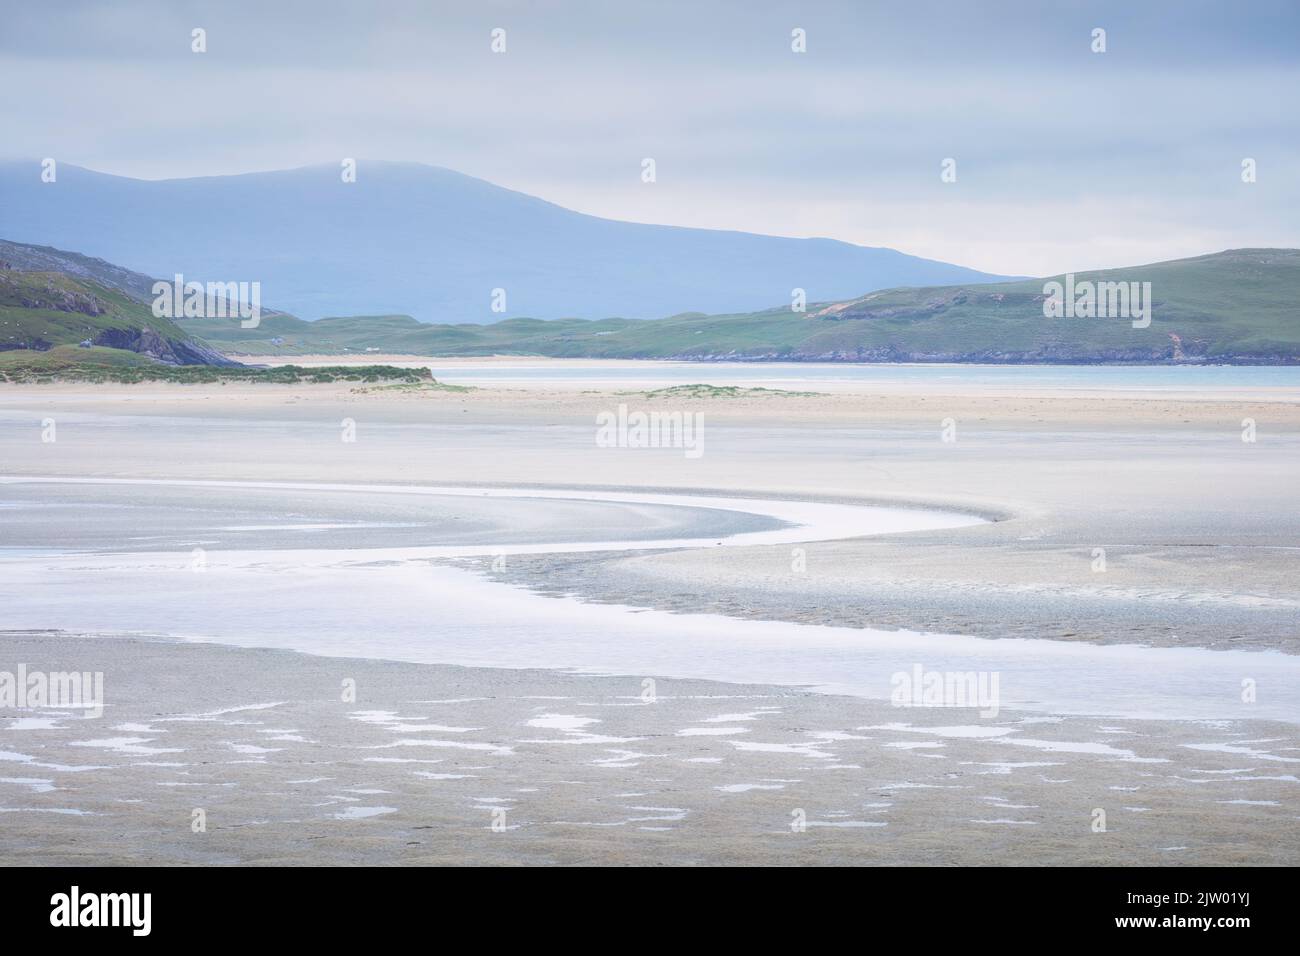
pixel 388 358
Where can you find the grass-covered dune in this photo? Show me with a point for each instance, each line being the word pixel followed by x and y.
pixel 71 363
pixel 1237 306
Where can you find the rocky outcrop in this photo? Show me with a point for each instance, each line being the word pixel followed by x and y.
pixel 170 351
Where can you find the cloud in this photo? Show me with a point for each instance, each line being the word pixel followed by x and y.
pixel 1065 157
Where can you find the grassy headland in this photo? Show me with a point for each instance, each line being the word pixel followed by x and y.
pixel 1237 306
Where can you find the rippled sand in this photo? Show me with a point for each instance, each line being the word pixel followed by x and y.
pixel 576 769
pixel 1198 529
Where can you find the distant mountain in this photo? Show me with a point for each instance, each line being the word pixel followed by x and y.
pixel 1242 305
pixel 51 298
pixel 431 243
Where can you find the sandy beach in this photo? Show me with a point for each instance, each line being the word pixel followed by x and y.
pixel 1195 528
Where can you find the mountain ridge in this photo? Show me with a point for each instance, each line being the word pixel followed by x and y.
pixel 433 243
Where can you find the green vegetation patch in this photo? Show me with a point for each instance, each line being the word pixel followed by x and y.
pixel 699 390
pixel 432 385
pixel 75 364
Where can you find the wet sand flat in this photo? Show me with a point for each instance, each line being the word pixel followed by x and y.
pixel 572 769
pixel 1199 537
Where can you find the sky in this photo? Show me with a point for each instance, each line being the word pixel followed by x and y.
pixel 1065 158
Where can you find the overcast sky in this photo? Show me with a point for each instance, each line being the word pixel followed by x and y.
pixel 1066 158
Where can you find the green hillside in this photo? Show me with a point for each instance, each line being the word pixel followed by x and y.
pixel 41 310
pixel 21 257
pixel 1237 306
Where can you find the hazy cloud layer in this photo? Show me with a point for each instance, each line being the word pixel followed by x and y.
pixel 1065 158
